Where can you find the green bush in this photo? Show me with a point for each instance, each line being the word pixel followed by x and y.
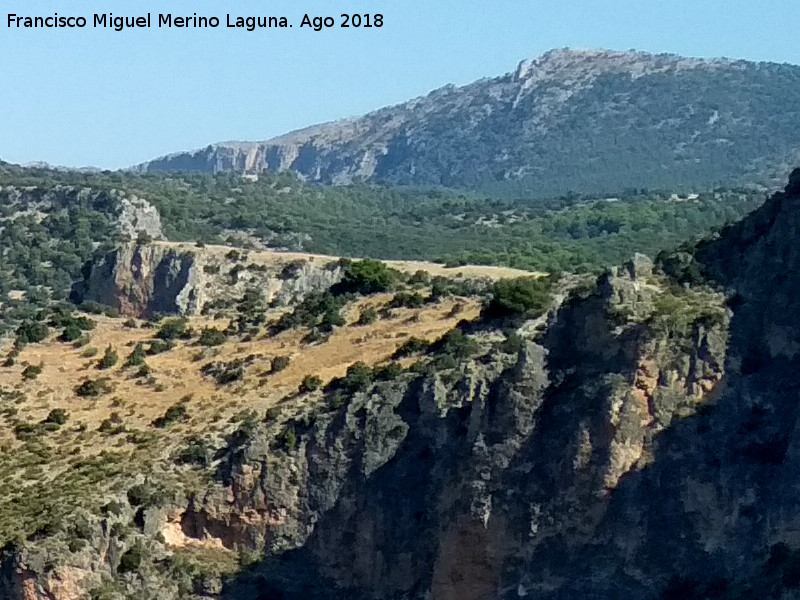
pixel 110 358
pixel 136 357
pixel 279 363
pixel 287 439
pixel 91 388
pixel 368 316
pixel 159 346
pixel 406 300
pixel 388 372
pixel 172 329
pixel 420 278
pixel 310 383
pixel 512 344
pixel 58 416
pixel 132 559
pixel 31 371
pixel 456 344
pixel 175 413
pixel 211 336
pixel 411 346
pixel 31 332
pixel 196 452
pixel 71 333
pixel 366 277
pixel 224 373
pixel 524 296
pixel 358 378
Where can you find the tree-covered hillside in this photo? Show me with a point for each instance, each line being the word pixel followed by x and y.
pixel 567 233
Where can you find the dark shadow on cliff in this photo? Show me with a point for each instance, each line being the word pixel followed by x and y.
pixel 390 513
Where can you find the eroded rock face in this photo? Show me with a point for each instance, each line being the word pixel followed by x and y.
pixel 144 279
pixel 643 439
pixel 438 488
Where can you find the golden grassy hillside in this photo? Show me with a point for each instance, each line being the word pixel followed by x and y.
pixel 47 470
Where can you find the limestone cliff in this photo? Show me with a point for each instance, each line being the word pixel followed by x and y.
pixel 640 442
pixel 141 280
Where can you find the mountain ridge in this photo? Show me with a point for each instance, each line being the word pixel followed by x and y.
pixel 568 120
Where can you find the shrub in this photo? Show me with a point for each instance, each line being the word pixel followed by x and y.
pixel 71 333
pixel 89 352
pixel 130 324
pixel 136 357
pixel 454 343
pixel 172 329
pixel 440 288
pixel 292 269
pixel 176 412
pixel 368 315
pixel 310 383
pixel 420 277
pixel 411 346
pixel 82 341
pixel 91 388
pixel 31 371
pixel 388 372
pixel 31 331
pixel 210 336
pixel 159 346
pixel 365 277
pixel 407 300
pixel 196 452
pixel 95 308
pixel 132 559
pixel 110 358
pixel 58 416
pixel 224 373
pixel 512 344
pixel 315 309
pixel 279 363
pixel 358 377
pixel 524 296
pixel 287 439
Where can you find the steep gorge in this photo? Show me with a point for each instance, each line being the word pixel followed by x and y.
pixel 642 442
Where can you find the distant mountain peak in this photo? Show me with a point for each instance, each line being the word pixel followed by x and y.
pixel 566 62
pixel 571 119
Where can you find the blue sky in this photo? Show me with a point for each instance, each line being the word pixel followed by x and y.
pixel 102 98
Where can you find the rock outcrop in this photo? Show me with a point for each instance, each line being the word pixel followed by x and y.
pixel 145 279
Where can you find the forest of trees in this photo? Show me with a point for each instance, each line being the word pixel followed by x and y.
pixel 45 249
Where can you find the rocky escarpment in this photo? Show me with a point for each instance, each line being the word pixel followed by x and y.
pixel 462 485
pixel 640 441
pixel 578 120
pixel 450 484
pixel 145 279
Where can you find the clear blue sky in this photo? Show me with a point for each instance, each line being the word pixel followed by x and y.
pixel 96 97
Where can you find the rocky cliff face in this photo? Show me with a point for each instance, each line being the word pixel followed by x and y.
pixel 141 280
pixel 568 120
pixel 641 443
